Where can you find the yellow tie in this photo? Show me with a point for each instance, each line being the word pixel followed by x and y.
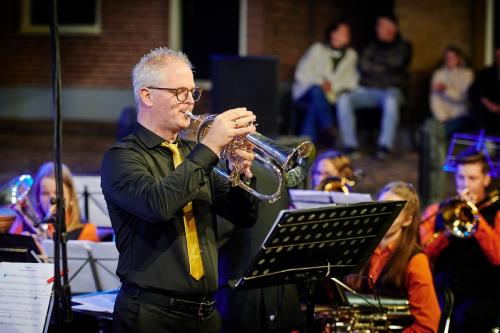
pixel 193 246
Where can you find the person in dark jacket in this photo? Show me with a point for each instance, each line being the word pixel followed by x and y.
pixel 383 70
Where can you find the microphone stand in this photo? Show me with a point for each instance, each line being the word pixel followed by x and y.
pixel 62 291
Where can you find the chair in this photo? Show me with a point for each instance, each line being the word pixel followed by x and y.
pixel 446 311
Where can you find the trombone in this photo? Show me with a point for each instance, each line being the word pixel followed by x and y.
pixel 288 164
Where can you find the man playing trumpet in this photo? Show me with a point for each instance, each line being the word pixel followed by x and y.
pixel 162 197
pixel 469 266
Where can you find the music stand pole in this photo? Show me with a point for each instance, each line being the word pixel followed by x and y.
pixel 61 289
pixel 86 196
pixel 309 300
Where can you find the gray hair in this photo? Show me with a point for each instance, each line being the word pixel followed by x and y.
pixel 146 72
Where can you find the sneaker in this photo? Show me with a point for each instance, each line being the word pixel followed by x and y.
pixel 382 153
pixel 352 153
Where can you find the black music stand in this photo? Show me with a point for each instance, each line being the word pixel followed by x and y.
pixel 91 265
pixel 305 246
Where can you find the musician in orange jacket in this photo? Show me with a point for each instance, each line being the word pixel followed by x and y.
pixel 398 268
pixel 469 267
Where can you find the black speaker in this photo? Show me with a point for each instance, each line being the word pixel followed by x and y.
pixel 250 82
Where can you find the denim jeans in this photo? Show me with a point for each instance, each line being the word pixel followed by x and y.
pixel 388 99
pixel 318 113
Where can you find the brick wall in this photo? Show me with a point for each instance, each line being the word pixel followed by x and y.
pixel 424 23
pixel 129 29
pixel 282 28
pixel 287 28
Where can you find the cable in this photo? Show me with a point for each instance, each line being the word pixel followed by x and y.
pixel 280 296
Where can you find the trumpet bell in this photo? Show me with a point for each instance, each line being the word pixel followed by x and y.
pixel 15 190
pixel 296 164
pixel 460 217
pixel 292 161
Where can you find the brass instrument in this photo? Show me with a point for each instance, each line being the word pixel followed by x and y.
pixel 15 190
pixel 460 216
pixel 336 184
pixel 289 164
pixel 14 194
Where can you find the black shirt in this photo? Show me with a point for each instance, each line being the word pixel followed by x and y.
pixel 145 196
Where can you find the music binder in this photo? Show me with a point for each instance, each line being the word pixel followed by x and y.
pixel 305 246
pixel 19 248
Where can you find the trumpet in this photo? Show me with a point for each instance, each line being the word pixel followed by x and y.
pixel 336 184
pixel 288 164
pixel 460 216
pixel 341 183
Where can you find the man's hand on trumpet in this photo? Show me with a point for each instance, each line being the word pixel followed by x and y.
pixel 241 157
pixel 224 129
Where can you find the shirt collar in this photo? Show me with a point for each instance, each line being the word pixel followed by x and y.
pixel 149 138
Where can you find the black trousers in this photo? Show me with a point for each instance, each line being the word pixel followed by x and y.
pixel 131 315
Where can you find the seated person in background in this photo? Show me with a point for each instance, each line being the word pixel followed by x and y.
pixel 328 167
pixel 398 268
pixel 44 188
pixel 383 69
pixel 325 71
pixel 485 97
pixel 469 267
pixel 449 87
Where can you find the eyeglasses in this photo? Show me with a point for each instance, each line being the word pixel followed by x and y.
pixel 182 92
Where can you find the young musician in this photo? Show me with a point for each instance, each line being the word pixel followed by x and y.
pixel 468 266
pixel 330 164
pixel 44 188
pixel 398 268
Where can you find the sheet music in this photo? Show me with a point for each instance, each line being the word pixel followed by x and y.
pixel 342 199
pixel 25 291
pixel 303 199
